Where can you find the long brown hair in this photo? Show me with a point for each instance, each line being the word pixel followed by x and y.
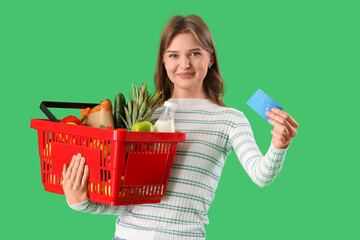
pixel 213 84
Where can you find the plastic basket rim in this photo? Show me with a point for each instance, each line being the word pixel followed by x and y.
pixel 106 134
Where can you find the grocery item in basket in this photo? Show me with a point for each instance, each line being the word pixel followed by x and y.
pixel 71 120
pixel 84 114
pixel 119 111
pixel 165 123
pixel 100 115
pixel 142 106
pixel 144 126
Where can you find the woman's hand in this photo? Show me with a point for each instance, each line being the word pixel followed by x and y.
pixel 75 180
pixel 285 127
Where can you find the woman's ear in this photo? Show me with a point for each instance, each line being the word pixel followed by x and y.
pixel 210 63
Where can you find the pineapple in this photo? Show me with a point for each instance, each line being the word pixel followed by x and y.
pixel 142 106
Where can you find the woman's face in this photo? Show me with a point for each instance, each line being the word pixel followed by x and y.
pixel 186 64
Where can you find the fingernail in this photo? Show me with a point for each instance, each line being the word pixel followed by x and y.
pixel 82 159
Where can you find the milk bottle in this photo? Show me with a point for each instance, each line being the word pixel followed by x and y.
pixel 165 123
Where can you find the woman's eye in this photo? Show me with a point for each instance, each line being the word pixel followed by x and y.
pixel 195 53
pixel 172 55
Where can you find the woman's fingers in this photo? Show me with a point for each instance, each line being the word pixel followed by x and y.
pixel 85 177
pixel 75 171
pixel 281 130
pixel 80 171
pixel 286 116
pixel 64 170
pixel 75 180
pixel 69 168
pixel 75 167
pixel 280 121
pixel 285 127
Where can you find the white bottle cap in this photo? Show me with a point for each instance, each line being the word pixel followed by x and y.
pixel 170 104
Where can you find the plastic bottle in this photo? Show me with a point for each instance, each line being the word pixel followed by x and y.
pixel 165 123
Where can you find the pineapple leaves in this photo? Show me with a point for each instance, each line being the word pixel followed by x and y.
pixel 141 105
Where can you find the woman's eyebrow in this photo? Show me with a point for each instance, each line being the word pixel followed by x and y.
pixel 191 50
pixel 195 49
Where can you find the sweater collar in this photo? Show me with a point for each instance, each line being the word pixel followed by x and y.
pixel 191 102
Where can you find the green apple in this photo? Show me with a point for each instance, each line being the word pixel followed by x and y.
pixel 145 126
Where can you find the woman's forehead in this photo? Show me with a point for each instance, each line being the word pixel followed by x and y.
pixel 183 42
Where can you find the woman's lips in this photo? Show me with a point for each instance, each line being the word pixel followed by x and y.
pixel 185 74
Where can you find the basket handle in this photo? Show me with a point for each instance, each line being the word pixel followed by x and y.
pixel 44 105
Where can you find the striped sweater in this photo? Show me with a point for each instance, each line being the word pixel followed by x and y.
pixel 212 132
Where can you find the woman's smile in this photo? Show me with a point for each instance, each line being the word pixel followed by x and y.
pixel 185 74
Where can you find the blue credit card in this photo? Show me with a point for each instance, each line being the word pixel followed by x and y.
pixel 261 103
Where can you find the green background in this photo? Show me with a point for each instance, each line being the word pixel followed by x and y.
pixel 304 54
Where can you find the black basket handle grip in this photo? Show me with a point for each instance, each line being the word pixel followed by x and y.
pixel 44 105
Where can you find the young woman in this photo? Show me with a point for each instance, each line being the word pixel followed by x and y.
pixel 188 72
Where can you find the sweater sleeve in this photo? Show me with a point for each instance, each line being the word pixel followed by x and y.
pixel 261 169
pixel 99 208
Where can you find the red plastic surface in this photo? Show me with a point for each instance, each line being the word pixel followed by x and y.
pixel 125 167
pixel 63 153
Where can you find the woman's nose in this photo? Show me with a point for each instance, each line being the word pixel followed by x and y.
pixel 184 63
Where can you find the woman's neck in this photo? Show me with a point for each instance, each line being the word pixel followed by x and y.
pixel 185 93
pixel 186 103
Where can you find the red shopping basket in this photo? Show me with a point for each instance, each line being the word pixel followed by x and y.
pixel 124 167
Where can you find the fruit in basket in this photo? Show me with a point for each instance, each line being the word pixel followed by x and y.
pixel 100 115
pixel 145 126
pixel 47 154
pixel 68 120
pixel 121 187
pixel 91 188
pixel 142 106
pixel 47 150
pixel 71 120
pixel 65 138
pixel 107 189
pixel 96 143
